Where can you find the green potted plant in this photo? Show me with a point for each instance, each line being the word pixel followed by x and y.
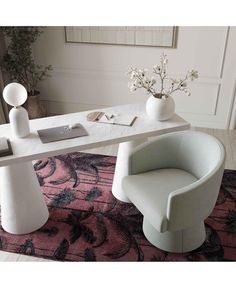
pixel 18 61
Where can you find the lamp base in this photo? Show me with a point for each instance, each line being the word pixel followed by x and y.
pixel 19 121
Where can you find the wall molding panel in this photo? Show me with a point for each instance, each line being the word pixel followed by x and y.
pixel 80 81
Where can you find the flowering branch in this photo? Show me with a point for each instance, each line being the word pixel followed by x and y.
pixel 139 79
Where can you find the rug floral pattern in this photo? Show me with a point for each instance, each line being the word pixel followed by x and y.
pixel 88 224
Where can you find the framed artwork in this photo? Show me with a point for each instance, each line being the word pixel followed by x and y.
pixel 156 36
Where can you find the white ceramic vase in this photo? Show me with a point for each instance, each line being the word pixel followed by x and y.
pixel 160 109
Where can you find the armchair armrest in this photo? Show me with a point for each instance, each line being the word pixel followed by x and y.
pixel 183 204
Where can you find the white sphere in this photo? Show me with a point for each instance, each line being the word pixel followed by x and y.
pixel 15 94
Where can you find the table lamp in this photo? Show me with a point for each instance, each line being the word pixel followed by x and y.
pixel 15 95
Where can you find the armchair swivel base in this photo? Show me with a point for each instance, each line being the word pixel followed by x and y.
pixel 177 241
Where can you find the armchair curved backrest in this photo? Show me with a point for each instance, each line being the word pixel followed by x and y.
pixel 198 153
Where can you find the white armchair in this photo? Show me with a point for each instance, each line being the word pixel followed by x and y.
pixel 174 181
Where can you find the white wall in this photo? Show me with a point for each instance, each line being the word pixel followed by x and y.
pixel 88 76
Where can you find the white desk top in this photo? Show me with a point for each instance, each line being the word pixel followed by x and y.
pixel 31 147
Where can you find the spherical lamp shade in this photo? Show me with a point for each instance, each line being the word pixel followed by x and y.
pixel 15 94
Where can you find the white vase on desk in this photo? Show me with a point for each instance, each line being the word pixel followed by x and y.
pixel 15 95
pixel 160 109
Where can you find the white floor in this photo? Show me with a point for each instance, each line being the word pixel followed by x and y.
pixel 228 137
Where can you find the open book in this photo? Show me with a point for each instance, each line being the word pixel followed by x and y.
pixel 110 118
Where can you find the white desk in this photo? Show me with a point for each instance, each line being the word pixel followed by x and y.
pixel 21 198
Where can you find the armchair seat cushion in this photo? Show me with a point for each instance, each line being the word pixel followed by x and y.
pixel 149 192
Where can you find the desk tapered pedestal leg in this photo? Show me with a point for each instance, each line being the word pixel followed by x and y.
pixel 23 209
pixel 121 169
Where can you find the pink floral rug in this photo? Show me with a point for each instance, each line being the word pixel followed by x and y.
pixel 88 224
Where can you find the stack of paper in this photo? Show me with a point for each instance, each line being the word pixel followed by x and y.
pixel 5 147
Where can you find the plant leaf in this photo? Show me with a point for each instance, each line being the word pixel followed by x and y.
pixel 64 198
pixel 102 230
pixel 27 248
pixel 75 233
pixel 40 164
pixel 61 250
pixel 94 193
pixel 89 255
pixel 87 234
